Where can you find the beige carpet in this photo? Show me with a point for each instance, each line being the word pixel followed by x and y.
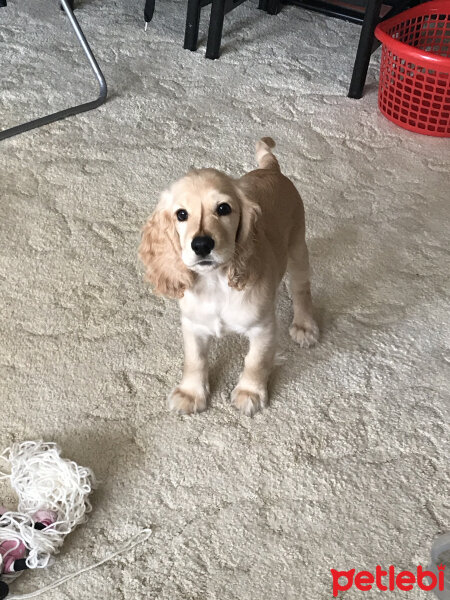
pixel 347 468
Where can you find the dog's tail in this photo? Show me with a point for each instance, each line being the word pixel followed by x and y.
pixel 264 156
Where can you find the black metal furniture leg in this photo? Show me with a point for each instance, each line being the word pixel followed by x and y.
pixel 366 40
pixel 273 7
pixel 62 114
pixel 149 10
pixel 215 29
pixel 192 25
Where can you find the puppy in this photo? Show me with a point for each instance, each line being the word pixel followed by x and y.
pixel 221 246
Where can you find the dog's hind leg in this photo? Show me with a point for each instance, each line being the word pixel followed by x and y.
pixel 304 329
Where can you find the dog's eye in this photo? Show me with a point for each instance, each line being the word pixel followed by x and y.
pixel 223 209
pixel 182 214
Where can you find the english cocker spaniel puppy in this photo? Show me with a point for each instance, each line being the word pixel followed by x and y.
pixel 222 246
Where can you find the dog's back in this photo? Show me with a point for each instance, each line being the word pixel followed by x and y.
pixel 282 212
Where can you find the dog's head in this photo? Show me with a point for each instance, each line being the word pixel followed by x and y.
pixel 203 222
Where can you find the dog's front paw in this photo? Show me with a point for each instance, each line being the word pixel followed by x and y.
pixel 186 402
pixel 248 402
pixel 305 334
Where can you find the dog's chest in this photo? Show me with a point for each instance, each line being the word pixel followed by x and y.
pixel 214 308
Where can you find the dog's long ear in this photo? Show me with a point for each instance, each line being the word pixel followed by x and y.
pixel 160 251
pixel 245 266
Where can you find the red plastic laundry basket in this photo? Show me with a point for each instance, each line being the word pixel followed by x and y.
pixel 414 87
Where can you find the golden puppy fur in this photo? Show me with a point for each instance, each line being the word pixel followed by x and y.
pixel 256 226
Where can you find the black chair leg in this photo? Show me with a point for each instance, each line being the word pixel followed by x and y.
pixel 192 25
pixel 149 10
pixel 215 29
pixel 371 19
pixel 273 7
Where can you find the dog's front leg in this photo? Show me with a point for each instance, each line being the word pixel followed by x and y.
pixel 250 395
pixel 191 395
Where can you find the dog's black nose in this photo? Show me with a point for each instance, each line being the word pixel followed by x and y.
pixel 202 245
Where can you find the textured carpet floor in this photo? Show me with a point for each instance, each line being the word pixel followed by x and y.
pixel 347 468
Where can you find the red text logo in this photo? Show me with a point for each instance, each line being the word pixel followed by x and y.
pixel 388 580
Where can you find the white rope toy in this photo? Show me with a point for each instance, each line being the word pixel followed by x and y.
pixel 43 480
pixel 53 495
